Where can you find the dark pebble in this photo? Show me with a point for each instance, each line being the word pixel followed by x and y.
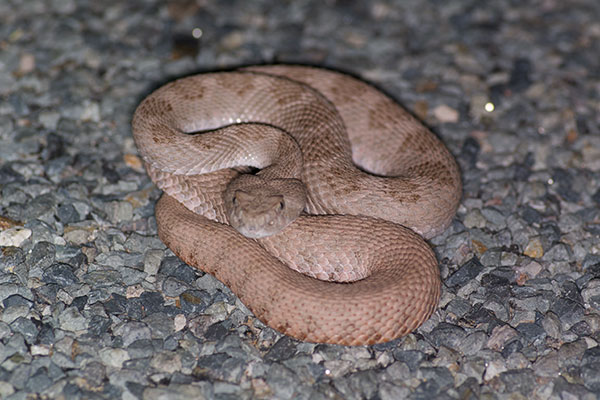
pixel 563 180
pixel 94 373
pixel 496 279
pixel 55 167
pixel 109 392
pixel 582 125
pixel 171 343
pixel 532 332
pixel 10 257
pixel 25 327
pixel 55 373
pixel 596 197
pixel 568 311
pixel 590 260
pixel 170 264
pixel 589 213
pixel 219 296
pixel 584 279
pixel 412 358
pixel 116 305
pixel 54 147
pixel 39 206
pixel 185 45
pixel 160 324
pixel 98 325
pixel 136 388
pixel 430 389
pixel 42 255
pixel 38 381
pixel 522 171
pixel 109 173
pixel 458 307
pixel 442 376
pixel 135 308
pixel 137 364
pixel 590 373
pixel 67 214
pixel 520 78
pixel 445 334
pixel 152 302
pixel 61 274
pixel 465 273
pixel 470 151
pixel 519 380
pixel 569 290
pixel 499 293
pixel 482 316
pixel 4 374
pixel 591 356
pixel 550 234
pixel 47 293
pixel 218 366
pixel 582 328
pixel 283 349
pixel 171 311
pixel 185 273
pixel 570 354
pixel 216 331
pixel 592 228
pixel 16 299
pixel 194 301
pixel 80 302
pixel 67 252
pixel 563 388
pixel 181 379
pixel 46 334
pixel 530 215
pixel 173 287
pixel 8 175
pixel 593 270
pixel 141 348
pixel 391 345
pixel 524 291
pixel 511 347
pixel 469 389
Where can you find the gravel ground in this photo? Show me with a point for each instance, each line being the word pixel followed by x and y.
pixel 94 306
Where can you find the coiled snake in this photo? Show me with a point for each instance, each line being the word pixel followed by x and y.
pixel 321 173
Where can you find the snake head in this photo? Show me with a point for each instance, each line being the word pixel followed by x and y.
pixel 259 208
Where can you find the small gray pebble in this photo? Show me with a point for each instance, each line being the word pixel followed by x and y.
pixel 25 327
pixel 520 380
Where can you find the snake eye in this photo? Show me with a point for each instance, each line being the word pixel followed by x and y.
pixel 281 205
pixel 234 200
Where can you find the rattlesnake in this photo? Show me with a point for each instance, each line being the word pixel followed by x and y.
pixel 357 171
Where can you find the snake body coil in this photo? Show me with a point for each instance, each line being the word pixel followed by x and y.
pixel 344 173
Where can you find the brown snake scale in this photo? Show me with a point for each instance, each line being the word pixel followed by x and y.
pixel 356 164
